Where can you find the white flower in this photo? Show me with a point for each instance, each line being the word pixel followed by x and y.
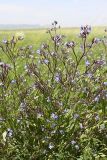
pixel 77 147
pixel 102 126
pixel 1 63
pixel 51 146
pixel 73 142
pixel 48 99
pixel 1 84
pixel 39 115
pixel 38 51
pixel 81 126
pixel 96 99
pixel 13 81
pixel 9 132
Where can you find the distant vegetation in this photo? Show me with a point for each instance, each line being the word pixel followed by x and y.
pixel 20 26
pixel 53 94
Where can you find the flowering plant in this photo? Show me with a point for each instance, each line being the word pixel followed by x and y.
pixel 53 103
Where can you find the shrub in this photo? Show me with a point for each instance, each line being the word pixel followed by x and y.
pixel 53 102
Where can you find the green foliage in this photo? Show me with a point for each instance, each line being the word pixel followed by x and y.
pixel 53 101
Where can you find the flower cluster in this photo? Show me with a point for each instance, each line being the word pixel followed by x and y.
pixel 85 30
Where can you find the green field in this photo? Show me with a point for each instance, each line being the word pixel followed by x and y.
pixel 36 36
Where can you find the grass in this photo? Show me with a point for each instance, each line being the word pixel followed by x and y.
pixel 37 36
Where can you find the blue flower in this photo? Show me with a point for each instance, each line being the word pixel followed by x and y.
pixel 105 83
pixel 46 61
pixel 54 116
pixel 57 77
pixel 87 63
pixel 13 81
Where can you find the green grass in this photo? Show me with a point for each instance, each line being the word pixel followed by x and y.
pixel 36 36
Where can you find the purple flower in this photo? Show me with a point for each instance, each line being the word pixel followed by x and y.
pixel 58 39
pixel 97 118
pixel 105 83
pixel 99 62
pixel 85 30
pixel 57 77
pixel 46 61
pixel 70 44
pixel 5 66
pixel 4 41
pixel 54 116
pixel 89 75
pixel 96 40
pixel 87 63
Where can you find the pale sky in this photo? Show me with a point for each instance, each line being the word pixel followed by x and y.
pixel 43 12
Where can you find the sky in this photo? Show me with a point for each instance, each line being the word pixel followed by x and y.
pixel 67 12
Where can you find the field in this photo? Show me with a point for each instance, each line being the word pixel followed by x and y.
pixel 37 36
pixel 53 94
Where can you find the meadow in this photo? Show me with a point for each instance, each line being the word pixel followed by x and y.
pixel 53 94
pixel 38 36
